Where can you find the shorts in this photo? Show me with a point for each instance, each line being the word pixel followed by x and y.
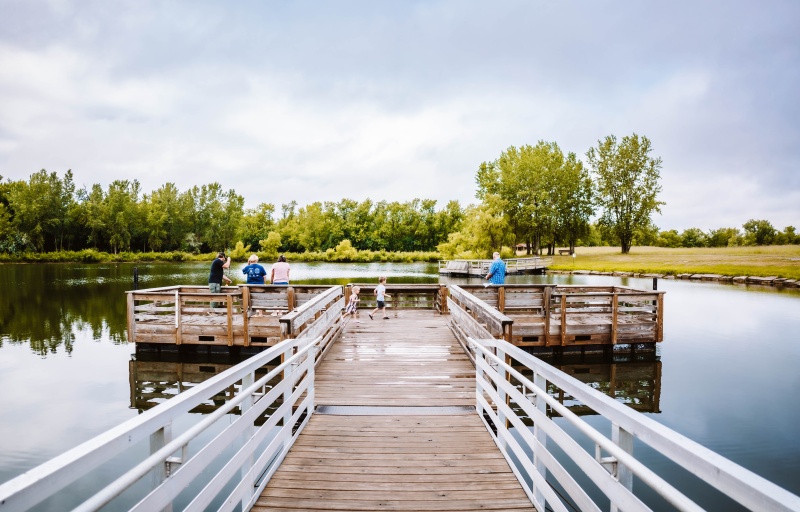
pixel 381 304
pixel 284 283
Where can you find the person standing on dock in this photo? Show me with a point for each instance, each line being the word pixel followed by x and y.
pixel 217 275
pixel 255 273
pixel 497 272
pixel 279 274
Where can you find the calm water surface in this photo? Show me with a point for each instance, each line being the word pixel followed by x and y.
pixel 728 363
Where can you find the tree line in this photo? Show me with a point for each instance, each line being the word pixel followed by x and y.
pixel 47 213
pixel 532 195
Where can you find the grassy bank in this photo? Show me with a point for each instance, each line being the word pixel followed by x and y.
pixel 773 260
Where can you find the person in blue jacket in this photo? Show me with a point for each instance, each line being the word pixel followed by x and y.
pixel 255 273
pixel 497 272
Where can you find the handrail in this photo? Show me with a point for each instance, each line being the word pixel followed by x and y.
pixel 496 321
pixel 291 398
pixel 612 474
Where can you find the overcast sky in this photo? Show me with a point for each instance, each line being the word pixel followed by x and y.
pixel 393 100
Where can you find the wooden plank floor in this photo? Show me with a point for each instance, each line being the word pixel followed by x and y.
pixel 395 461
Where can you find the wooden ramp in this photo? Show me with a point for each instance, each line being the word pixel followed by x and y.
pixel 396 428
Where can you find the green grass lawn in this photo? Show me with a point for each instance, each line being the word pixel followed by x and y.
pixel 773 260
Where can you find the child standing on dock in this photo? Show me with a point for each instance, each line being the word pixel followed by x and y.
pixel 380 295
pixel 352 303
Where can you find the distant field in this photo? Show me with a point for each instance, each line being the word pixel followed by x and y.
pixel 773 260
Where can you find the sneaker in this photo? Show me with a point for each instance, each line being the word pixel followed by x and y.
pixel 386 318
pixel 370 316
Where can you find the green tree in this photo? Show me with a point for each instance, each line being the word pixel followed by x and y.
pixel 627 179
pixel 758 232
pixel 573 200
pixel 693 237
pixel 670 238
pixel 722 237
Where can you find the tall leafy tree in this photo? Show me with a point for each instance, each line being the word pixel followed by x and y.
pixel 627 179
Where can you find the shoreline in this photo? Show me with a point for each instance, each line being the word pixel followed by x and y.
pixel 775 281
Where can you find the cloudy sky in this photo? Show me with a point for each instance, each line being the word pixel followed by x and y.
pixel 392 100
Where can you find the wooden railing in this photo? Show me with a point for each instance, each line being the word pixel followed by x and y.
pixel 555 315
pixel 404 296
pixel 512 394
pixel 114 467
pixel 246 315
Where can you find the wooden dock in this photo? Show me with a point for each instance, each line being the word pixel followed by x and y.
pixel 392 415
pixel 395 428
pixel 479 268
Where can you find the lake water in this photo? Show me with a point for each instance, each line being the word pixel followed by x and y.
pixel 727 369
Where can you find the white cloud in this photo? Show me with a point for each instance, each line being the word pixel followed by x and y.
pixel 394 102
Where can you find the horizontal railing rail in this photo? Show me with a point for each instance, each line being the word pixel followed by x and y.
pixel 505 396
pixel 556 315
pixel 403 296
pixel 320 317
pixel 247 455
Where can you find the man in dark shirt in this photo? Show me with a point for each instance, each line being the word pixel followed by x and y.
pixel 217 274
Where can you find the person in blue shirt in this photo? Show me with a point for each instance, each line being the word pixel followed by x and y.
pixel 497 272
pixel 255 272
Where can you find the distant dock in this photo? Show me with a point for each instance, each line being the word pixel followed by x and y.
pixel 479 268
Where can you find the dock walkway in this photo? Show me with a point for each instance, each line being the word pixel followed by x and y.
pixel 395 428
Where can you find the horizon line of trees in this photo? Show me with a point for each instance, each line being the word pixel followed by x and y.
pixel 47 214
pixel 535 195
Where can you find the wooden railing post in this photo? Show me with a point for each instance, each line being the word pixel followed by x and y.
pixel 660 318
pixel 178 322
pixel 229 304
pixel 614 312
pixel 501 299
pixel 563 319
pixel 548 291
pixel 246 315
pixel 131 318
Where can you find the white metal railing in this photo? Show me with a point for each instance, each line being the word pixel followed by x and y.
pixel 502 390
pixel 247 455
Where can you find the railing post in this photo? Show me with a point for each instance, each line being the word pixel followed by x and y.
pixel 131 318
pixel 563 319
pixel 501 299
pixel 624 440
pixel 178 322
pixel 540 382
pixel 247 434
pixel 547 297
pixel 229 304
pixel 245 315
pixel 158 440
pixel 502 375
pixel 614 313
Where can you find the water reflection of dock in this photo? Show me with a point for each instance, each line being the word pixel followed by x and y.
pixel 157 378
pixel 635 383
